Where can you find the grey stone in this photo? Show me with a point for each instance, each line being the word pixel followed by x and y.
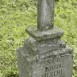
pixel 45 14
pixel 44 54
pixel 44 35
pixel 55 63
pixel 46 58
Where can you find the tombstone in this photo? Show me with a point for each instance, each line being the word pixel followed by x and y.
pixel 44 54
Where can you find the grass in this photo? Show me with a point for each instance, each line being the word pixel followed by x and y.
pixel 17 15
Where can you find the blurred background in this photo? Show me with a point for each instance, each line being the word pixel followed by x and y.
pixel 17 15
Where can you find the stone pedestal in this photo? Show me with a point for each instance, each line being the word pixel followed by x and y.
pixel 44 54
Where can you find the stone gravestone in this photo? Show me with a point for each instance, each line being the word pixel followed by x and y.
pixel 44 54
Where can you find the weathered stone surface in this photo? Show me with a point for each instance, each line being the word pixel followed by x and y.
pixel 44 46
pixel 46 57
pixel 44 35
pixel 45 14
pixel 56 63
pixel 44 54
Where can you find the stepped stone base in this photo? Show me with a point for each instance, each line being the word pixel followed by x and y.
pixel 45 57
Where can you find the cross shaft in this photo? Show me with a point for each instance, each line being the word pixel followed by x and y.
pixel 45 14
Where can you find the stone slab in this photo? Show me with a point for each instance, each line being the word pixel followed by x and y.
pixel 44 46
pixel 44 35
pixel 56 64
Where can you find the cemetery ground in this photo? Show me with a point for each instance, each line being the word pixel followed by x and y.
pixel 17 15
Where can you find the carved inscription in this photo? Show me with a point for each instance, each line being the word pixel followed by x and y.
pixel 53 66
pixel 53 70
pixel 52 74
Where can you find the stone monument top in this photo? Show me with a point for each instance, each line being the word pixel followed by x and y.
pixel 45 14
pixel 45 22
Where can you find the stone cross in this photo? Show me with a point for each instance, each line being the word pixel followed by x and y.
pixel 44 54
pixel 45 14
